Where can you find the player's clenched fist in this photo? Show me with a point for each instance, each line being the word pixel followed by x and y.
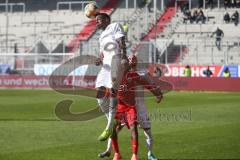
pixel 98 61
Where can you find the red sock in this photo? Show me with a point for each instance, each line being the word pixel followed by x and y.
pixel 134 146
pixel 115 145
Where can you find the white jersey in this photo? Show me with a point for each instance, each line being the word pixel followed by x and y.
pixel 108 42
pixel 109 50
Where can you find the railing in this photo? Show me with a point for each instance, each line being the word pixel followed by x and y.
pixel 11 5
pixel 204 51
pixel 71 3
pixel 191 3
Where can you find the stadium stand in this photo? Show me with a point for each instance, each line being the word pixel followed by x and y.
pixel 200 43
pixel 50 26
pixel 56 28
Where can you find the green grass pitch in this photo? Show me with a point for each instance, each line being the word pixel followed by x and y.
pixel 186 125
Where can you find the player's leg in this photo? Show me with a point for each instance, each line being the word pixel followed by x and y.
pixel 114 139
pixel 134 137
pixel 108 150
pixel 149 141
pixel 145 124
pixel 111 114
pixel 103 99
pixel 104 79
pixel 116 75
pixel 103 102
pixel 132 122
pixel 112 108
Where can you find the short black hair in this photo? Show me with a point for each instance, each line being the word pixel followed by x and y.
pixel 104 15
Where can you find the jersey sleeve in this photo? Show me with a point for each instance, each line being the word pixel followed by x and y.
pixel 118 31
pixel 147 82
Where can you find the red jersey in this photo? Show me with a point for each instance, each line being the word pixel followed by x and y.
pixel 126 91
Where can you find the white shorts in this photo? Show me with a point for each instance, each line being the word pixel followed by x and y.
pixel 104 77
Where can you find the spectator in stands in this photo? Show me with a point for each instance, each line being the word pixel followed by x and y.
pixel 200 17
pixel 149 5
pixel 233 3
pixel 146 3
pixel 227 3
pixel 8 71
pixel 219 34
pixel 187 16
pixel 210 3
pixel 226 17
pixel 184 7
pixel 238 3
pixel 235 18
pixel 208 72
pixel 194 16
pixel 187 71
pixel 226 72
pixel 200 3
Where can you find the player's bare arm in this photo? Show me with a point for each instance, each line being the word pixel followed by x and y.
pixel 147 82
pixel 123 47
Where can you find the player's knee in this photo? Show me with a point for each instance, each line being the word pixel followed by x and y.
pixel 133 128
pixel 146 129
pixel 102 92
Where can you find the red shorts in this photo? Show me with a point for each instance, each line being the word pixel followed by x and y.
pixel 126 115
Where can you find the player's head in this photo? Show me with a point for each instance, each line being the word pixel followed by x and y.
pixel 103 20
pixel 132 61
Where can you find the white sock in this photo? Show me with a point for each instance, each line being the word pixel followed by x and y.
pixel 149 140
pixel 112 112
pixel 109 145
pixel 104 105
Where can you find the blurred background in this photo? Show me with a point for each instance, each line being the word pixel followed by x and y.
pixel 38 36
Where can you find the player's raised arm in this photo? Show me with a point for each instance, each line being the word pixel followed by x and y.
pixel 146 80
pixel 123 48
pixel 148 83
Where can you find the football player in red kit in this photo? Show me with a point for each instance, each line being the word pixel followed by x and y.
pixel 126 109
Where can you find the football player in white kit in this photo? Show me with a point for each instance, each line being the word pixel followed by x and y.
pixel 112 58
pixel 143 118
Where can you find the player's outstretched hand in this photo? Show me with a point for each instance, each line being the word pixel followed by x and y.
pixel 98 61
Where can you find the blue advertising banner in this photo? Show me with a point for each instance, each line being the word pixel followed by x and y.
pixel 4 69
pixel 234 71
